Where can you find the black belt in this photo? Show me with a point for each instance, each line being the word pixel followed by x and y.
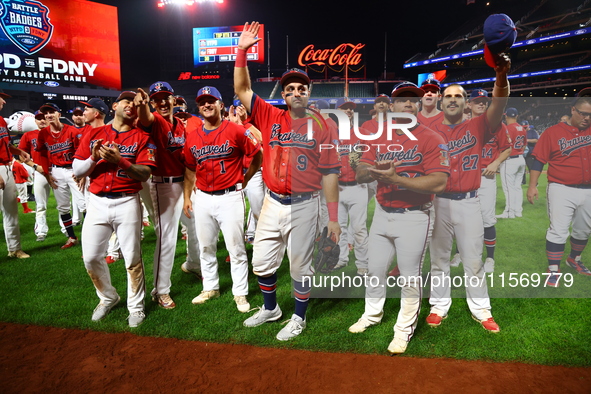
pixel 115 194
pixel 514 157
pixel 584 186
pixel 352 183
pixel 287 199
pixel 167 179
pixel 222 191
pixel 423 207
pixel 458 196
pixel 66 166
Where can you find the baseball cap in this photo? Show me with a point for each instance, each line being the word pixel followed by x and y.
pixel 322 104
pixel 80 110
pixel 50 106
pixel 525 123
pixel 208 91
pixel 160 87
pixel 180 99
pixel 585 92
pixel 237 103
pixel 403 87
pixel 126 94
pixel 39 115
pixel 431 83
pixel 97 104
pixel 479 93
pixel 345 103
pixel 511 112
pixel 295 73
pixel 499 35
pixel 382 97
pixel 4 95
pixel 180 112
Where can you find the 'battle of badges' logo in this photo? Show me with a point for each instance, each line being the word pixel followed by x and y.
pixel 26 24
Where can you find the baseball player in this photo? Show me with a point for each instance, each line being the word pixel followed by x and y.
pixel 57 144
pixel 408 173
pixel 21 176
pixel 353 199
pixel 429 113
pixel 567 150
pixel 8 204
pixel 78 117
pixel 457 210
pixel 117 158
pixel 513 169
pixel 215 155
pixel 293 168
pixel 166 184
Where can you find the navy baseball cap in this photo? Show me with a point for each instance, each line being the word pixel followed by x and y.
pixel 345 103
pixel 431 83
pixel 97 104
pixel 50 106
pixel 479 93
pixel 499 36
pixel 39 115
pixel 127 94
pixel 209 91
pixel 180 112
pixel 160 87
pixel 525 123
pixel 382 97
pixel 180 99
pixel 322 104
pixel 78 110
pixel 404 87
pixel 4 95
pixel 511 112
pixel 295 73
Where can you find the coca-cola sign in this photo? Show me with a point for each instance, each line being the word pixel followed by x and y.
pixel 343 54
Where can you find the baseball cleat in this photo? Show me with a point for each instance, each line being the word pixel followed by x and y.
pixel 195 271
pixel 576 264
pixel 489 265
pixel 360 326
pixel 553 279
pixel 41 237
pixel 395 271
pixel 294 327
pixel 488 324
pixel 19 254
pixel 71 242
pixel 242 303
pixel 146 223
pixel 111 259
pixel 164 301
pixel 228 259
pixel 205 296
pixel 362 271
pixel 397 346
pixel 505 215
pixel 455 262
pixel 340 264
pixel 434 320
pixel 102 310
pixel 262 316
pixel 136 318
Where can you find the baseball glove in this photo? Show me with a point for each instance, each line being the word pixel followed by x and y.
pixel 354 158
pixel 327 256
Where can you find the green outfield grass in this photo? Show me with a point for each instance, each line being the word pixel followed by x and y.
pixel 52 288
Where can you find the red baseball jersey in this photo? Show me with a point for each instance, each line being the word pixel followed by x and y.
pixel 518 136
pixel 28 143
pixel 21 175
pixel 216 156
pixel 58 148
pixel 80 132
pixel 465 142
pixel 429 122
pixel 493 148
pixel 346 147
pixel 5 154
pixel 193 123
pixel 372 125
pixel 426 155
pixel 134 145
pixel 567 150
pixel 170 141
pixel 292 163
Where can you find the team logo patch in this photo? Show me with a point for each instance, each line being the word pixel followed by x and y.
pixel 151 155
pixel 26 24
pixel 443 158
pixel 251 137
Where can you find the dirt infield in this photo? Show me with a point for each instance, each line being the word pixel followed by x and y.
pixel 46 359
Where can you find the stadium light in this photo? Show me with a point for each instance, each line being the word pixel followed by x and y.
pixel 164 3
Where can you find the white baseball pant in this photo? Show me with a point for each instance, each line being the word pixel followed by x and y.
pixel 487 193
pixel 226 213
pixel 462 219
pixel 66 187
pixel 353 202
pixel 512 171
pixel 9 207
pixel 122 215
pixel 568 205
pixel 255 192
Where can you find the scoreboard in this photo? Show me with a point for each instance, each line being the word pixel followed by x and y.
pixel 220 44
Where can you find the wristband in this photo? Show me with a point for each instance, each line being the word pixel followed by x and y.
pixel 333 211
pixel 501 91
pixel 241 58
pixel 124 163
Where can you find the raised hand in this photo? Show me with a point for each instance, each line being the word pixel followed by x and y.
pixel 248 36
